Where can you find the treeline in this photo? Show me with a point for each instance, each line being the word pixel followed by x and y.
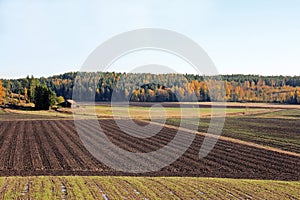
pixel 163 87
pixel 21 92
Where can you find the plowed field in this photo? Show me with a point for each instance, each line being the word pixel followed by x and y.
pixel 52 147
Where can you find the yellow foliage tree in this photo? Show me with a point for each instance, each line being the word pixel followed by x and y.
pixel 2 92
pixel 228 90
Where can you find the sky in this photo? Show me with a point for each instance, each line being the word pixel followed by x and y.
pixel 49 37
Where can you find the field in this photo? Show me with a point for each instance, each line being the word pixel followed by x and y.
pixel 16 115
pixel 59 151
pixel 144 188
pixel 171 110
pixel 279 129
pixel 257 156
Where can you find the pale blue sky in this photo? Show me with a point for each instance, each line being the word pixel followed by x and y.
pixel 49 37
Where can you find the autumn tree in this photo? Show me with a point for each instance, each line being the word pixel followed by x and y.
pixel 2 93
pixel 60 99
pixel 228 90
pixel 26 94
pixel 151 96
pixel 297 96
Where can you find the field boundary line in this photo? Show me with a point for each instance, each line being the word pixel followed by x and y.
pixel 228 139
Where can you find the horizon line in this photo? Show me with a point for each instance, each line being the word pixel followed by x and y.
pixel 229 74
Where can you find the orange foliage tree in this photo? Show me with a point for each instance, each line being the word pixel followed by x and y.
pixel 2 93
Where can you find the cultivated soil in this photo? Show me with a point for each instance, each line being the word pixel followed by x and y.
pixel 53 147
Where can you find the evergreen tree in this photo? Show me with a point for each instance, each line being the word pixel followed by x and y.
pixel 44 98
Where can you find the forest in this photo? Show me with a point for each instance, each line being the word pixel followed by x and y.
pixel 108 86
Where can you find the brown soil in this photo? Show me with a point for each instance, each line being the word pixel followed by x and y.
pixel 52 147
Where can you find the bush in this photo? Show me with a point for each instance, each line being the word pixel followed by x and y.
pixel 60 99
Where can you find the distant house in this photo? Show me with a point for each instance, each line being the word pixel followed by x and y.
pixel 68 104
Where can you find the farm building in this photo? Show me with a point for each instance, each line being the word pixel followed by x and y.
pixel 68 103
